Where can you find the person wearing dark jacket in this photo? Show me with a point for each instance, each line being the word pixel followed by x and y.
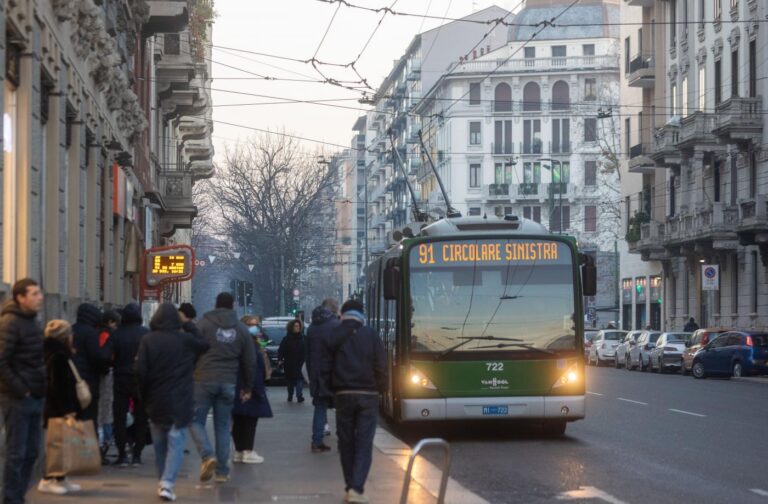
pixel 325 319
pixel 691 325
pixel 125 345
pixel 91 359
pixel 357 373
pixel 291 353
pixel 245 415
pixel 61 395
pixel 231 352
pixel 165 363
pixel 22 386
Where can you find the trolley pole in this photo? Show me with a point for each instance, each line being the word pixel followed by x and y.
pixel 282 285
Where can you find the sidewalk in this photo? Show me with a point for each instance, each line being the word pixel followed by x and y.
pixel 290 473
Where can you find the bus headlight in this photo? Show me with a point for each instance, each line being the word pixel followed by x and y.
pixel 570 377
pixel 419 379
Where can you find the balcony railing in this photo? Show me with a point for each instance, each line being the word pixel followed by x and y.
pixel 740 119
pixel 532 148
pixel 539 64
pixel 502 148
pixel 696 129
pixel 498 189
pixel 528 189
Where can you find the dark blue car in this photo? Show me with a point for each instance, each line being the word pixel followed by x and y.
pixel 733 353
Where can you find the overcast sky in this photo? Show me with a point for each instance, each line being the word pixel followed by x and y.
pixel 294 29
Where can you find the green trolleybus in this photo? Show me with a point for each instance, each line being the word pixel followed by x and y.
pixel 482 318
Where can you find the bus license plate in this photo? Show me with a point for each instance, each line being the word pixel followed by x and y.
pixel 495 410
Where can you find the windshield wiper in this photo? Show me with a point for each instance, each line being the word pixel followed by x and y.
pixel 505 297
pixel 467 339
pixel 527 346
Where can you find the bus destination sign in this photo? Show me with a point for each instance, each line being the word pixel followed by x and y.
pixel 168 264
pixel 487 252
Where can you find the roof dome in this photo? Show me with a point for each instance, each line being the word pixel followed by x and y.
pixel 595 14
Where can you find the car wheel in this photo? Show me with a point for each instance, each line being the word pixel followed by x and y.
pixel 616 361
pixel 628 363
pixel 643 366
pixel 650 364
pixel 738 370
pixel 697 370
pixel 661 367
pixel 554 428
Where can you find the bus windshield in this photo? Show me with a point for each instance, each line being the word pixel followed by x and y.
pixel 492 295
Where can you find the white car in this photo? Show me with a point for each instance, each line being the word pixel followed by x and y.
pixel 603 348
pixel 668 352
pixel 640 353
pixel 622 351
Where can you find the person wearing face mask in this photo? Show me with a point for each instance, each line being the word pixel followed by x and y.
pixel 292 353
pixel 253 323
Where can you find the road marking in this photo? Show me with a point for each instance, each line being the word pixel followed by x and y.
pixel 687 412
pixel 632 401
pixel 759 491
pixel 593 393
pixel 589 492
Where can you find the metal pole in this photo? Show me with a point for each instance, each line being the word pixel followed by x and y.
pixel 282 285
pixel 365 253
pixel 560 198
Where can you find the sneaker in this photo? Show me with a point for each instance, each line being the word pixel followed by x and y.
pixel 51 486
pixel 322 447
pixel 238 458
pixel 300 399
pixel 71 487
pixel 290 399
pixel 354 496
pixel 222 478
pixel 251 457
pixel 207 469
pixel 136 461
pixel 327 430
pixel 122 461
pixel 166 494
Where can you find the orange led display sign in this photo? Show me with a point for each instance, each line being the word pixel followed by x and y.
pixel 486 251
pixel 168 264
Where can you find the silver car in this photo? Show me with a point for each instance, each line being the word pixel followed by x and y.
pixel 621 359
pixel 668 352
pixel 603 348
pixel 640 353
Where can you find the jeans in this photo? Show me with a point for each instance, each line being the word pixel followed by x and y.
pixel 319 419
pixel 169 444
pixel 23 433
pixel 356 417
pixel 220 397
pixel 298 385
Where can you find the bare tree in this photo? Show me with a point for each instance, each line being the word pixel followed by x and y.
pixel 272 200
pixel 609 163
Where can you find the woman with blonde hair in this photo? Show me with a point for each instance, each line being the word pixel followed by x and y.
pixel 60 395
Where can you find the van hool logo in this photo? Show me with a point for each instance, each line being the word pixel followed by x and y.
pixel 495 383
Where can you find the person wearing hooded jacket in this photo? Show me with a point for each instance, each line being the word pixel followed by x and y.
pixel 91 359
pixel 216 372
pixel 291 353
pixel 125 344
pixel 325 319
pixel 165 362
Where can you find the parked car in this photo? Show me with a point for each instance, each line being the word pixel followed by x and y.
pixel 604 346
pixel 622 351
pixel 274 331
pixel 733 353
pixel 700 339
pixel 668 352
pixel 589 338
pixel 640 353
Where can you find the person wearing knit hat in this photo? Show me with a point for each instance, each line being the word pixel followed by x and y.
pixel 358 374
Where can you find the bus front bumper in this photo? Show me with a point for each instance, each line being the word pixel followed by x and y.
pixel 463 408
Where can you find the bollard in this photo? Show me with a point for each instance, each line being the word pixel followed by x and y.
pixel 446 467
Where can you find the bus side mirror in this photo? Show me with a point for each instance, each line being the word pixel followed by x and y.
pixel 391 280
pixel 588 276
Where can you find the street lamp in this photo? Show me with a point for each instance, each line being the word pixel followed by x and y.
pixel 560 190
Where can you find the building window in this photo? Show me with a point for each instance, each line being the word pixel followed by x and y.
pixel 532 173
pixel 561 136
pixel 558 55
pixel 590 173
pixel 474 211
pixel 474 133
pixel 718 83
pixel 590 129
pixel 716 182
pixel 474 93
pixel 531 97
pixel 673 100
pixel 684 88
pixel 10 129
pixel 627 135
pixel 755 280
pixel 474 176
pixel 718 9
pixel 702 89
pixel 590 85
pixel 752 174
pixel 673 22
pixel 502 98
pixel 561 99
pixel 735 283
pixel 752 68
pixel 590 219
pixel 532 136
pixel 735 73
pixel 530 56
pixel 627 55
pixel 533 213
pixel 560 219
pixel 502 137
pixel 588 49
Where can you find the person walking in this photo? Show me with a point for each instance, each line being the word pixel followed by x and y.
pixel 22 386
pixel 325 319
pixel 245 415
pixel 91 359
pixel 357 373
pixel 61 394
pixel 125 343
pixel 691 325
pixel 165 362
pixel 109 322
pixel 291 353
pixel 231 351
pixel 187 312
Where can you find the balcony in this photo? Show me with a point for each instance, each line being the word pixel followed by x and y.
pixel 716 224
pixel 496 192
pixel 753 220
pixel 378 221
pixel 649 242
pixel 639 159
pixel 414 165
pixel 665 140
pixel 641 71
pixel 696 131
pixel 533 147
pixel 165 16
pixel 414 70
pixel 640 3
pixel 527 191
pixel 537 65
pixel 740 120
pixel 178 207
pixel 501 149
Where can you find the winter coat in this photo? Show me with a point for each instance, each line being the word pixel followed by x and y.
pixel 292 351
pixel 164 369
pixel 92 360
pixel 358 361
pixel 231 349
pixel 258 405
pixel 22 366
pixel 318 341
pixel 61 394
pixel 690 326
pixel 125 345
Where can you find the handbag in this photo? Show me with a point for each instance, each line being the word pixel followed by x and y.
pixel 81 388
pixel 71 448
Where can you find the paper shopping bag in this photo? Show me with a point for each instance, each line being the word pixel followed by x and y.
pixel 71 448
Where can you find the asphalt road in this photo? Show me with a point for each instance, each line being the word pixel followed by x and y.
pixel 647 438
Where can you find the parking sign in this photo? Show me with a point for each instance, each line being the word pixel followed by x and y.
pixel 710 277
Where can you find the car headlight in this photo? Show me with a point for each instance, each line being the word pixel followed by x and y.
pixel 571 376
pixel 419 379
